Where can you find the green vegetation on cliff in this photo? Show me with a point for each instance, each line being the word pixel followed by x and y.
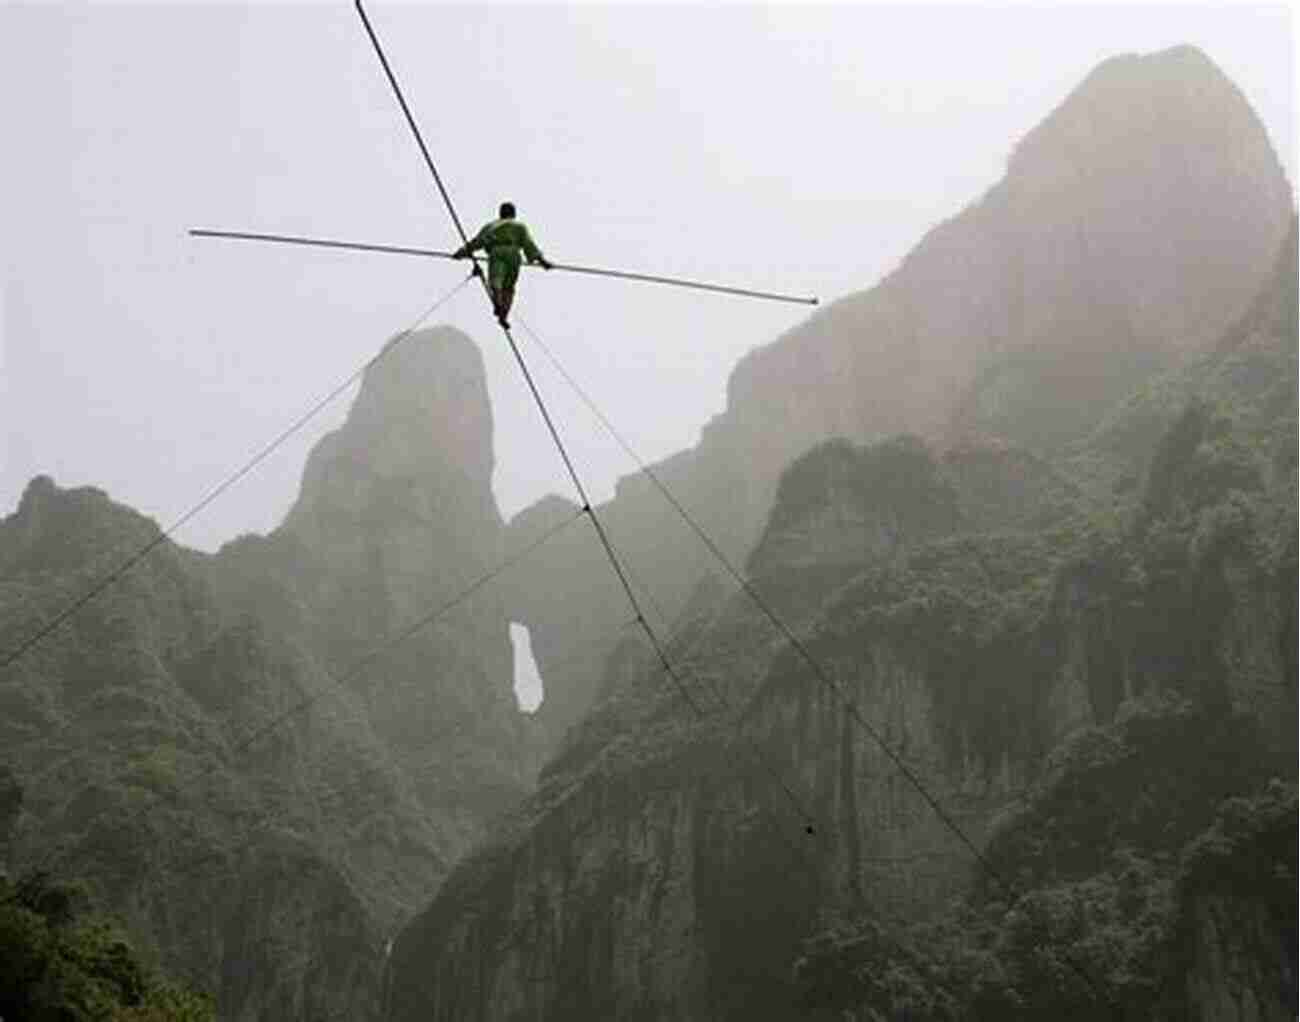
pixel 60 962
pixel 1095 679
pixel 1111 867
pixel 248 777
pixel 1150 870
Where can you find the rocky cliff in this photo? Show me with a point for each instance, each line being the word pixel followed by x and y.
pixel 1100 697
pixel 228 749
pixel 124 728
pixel 395 518
pixel 1130 230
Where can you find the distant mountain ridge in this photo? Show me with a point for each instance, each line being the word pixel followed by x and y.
pixel 1035 514
pixel 1101 701
pixel 231 748
pixel 1132 227
pixel 908 474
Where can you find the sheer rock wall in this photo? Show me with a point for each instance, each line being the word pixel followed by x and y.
pixel 1131 228
pixel 224 746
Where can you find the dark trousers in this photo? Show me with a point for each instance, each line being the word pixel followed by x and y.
pixel 503 272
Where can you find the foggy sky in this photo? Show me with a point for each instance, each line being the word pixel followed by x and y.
pixel 792 148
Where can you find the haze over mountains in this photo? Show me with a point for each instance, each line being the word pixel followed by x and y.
pixel 1126 235
pixel 1030 500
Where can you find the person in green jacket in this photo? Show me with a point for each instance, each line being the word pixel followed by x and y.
pixel 504 239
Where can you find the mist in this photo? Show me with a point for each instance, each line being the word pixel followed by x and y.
pixel 671 654
pixel 152 364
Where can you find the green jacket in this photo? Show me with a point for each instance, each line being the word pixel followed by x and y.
pixel 504 239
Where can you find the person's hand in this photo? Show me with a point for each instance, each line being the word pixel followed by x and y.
pixel 546 264
pixel 460 253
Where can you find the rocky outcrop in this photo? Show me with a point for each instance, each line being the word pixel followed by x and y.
pixel 1076 694
pixel 236 752
pixel 1131 229
pixel 572 638
pixel 1252 367
pixel 126 729
pixel 11 804
pixel 626 888
pixel 1233 905
pixel 671 866
pixel 395 519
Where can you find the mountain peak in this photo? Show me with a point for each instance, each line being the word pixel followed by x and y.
pixel 54 528
pixel 418 372
pixel 1174 102
pixel 421 426
pixel 40 489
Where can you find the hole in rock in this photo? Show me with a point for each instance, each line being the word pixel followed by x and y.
pixel 528 679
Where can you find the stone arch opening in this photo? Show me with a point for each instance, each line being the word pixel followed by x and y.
pixel 529 688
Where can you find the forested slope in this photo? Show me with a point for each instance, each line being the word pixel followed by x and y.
pixel 1094 684
pixel 231 751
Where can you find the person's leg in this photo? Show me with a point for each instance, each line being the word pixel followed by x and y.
pixel 507 292
pixel 498 274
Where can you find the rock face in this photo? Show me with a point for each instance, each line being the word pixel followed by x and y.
pixel 124 728
pixel 1099 696
pixel 1131 229
pixel 1069 617
pixel 571 636
pixel 11 804
pixel 229 748
pixel 396 517
pixel 629 886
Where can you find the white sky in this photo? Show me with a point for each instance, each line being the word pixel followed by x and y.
pixel 792 148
